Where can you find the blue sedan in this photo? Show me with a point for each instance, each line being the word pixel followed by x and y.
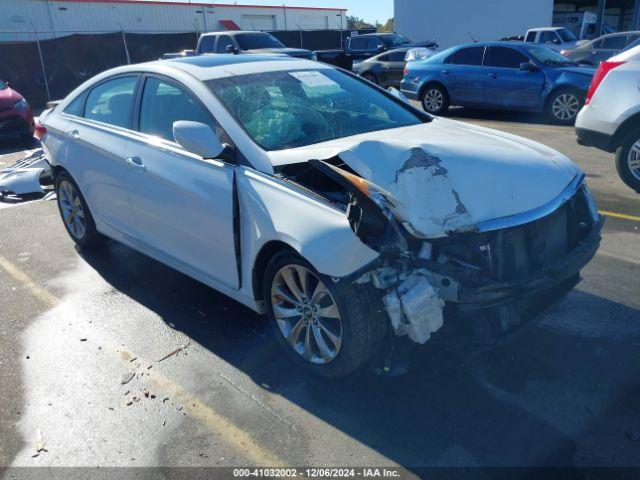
pixel 505 75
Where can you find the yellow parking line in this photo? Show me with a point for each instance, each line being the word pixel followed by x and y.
pixel 229 432
pixel 40 293
pixel 624 216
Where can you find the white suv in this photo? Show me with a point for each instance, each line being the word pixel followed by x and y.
pixel 610 119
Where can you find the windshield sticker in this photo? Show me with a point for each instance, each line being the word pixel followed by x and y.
pixel 313 79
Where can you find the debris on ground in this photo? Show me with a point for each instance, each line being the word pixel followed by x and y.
pixel 127 377
pixel 28 179
pixel 175 352
pixel 40 442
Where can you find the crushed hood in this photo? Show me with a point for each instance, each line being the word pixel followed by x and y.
pixel 448 176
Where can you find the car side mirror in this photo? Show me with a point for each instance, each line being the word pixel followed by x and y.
pixel 381 48
pixel 232 49
pixel 528 67
pixel 198 138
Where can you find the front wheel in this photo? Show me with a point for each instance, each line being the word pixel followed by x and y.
pixel 563 106
pixel 330 330
pixel 628 160
pixel 435 100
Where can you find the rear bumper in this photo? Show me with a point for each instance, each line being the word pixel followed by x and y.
pixel 591 138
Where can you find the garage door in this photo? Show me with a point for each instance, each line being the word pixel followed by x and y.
pixel 315 22
pixel 259 22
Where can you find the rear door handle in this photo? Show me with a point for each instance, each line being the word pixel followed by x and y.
pixel 493 75
pixel 445 72
pixel 136 162
pixel 75 134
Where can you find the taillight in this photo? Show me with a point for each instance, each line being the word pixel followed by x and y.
pixel 39 131
pixel 406 70
pixel 598 77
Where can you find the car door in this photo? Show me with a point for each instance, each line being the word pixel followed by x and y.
pixel 97 134
pixel 393 68
pixel 182 204
pixel 609 47
pixel 464 76
pixel 224 41
pixel 508 86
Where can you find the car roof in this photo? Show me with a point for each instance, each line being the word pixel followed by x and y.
pixel 542 29
pixel 232 33
pixel 209 66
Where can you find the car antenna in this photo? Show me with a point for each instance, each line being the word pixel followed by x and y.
pixel 471 37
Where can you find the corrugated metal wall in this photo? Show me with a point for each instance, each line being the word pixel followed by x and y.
pixel 55 18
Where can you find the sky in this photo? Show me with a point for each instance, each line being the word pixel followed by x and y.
pixel 369 10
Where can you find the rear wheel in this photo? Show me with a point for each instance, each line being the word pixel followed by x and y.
pixel 75 213
pixel 628 160
pixel 330 330
pixel 435 100
pixel 564 104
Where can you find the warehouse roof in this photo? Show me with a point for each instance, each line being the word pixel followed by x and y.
pixel 205 4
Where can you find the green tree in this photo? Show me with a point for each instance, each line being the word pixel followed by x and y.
pixel 387 27
pixel 356 23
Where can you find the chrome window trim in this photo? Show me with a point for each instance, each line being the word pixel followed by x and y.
pixel 535 214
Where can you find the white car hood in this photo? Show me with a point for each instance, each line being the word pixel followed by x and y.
pixel 447 176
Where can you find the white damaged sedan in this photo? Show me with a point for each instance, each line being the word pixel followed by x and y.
pixel 346 215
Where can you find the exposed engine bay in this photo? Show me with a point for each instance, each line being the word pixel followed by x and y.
pixel 439 271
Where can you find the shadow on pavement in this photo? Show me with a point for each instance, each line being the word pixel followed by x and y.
pixel 490 411
pixel 15 146
pixel 465 113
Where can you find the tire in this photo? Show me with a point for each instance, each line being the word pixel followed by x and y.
pixel 435 100
pixel 564 104
pixel 370 77
pixel 361 325
pixel 75 213
pixel 628 160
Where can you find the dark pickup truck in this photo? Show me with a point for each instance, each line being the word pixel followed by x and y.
pixel 365 46
pixel 241 42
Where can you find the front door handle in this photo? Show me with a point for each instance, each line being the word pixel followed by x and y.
pixel 75 134
pixel 445 72
pixel 136 162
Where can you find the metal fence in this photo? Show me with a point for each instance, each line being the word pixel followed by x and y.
pixel 44 70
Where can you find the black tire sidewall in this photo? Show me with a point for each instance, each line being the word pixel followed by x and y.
pixel 445 100
pixel 91 236
pixel 622 160
pixel 346 361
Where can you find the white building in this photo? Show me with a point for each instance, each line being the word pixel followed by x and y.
pixel 56 18
pixel 452 22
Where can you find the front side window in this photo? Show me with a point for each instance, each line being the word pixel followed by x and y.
pixel 549 37
pixel 548 57
pixel 504 57
pixel 223 42
pixel 163 104
pixel 617 42
pixel 111 101
pixel 292 109
pixel 395 40
pixel 566 35
pixel 358 44
pixel 397 56
pixel 469 56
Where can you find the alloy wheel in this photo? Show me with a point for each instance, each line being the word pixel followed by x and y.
pixel 433 100
pixel 565 106
pixel 633 159
pixel 71 208
pixel 307 314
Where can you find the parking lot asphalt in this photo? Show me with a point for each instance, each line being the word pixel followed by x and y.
pixel 112 359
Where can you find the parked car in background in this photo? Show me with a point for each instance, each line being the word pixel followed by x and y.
pixel 385 69
pixel 610 119
pixel 240 42
pixel 600 49
pixel 556 38
pixel 306 193
pixel 245 42
pixel 361 47
pixel 16 117
pixel 511 76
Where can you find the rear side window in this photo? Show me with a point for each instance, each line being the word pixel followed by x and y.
pixel 110 102
pixel 531 37
pixel 358 43
pixel 164 103
pixel 206 44
pixel 397 56
pixel 469 56
pixel 223 42
pixel 503 57
pixel 632 38
pixel 617 42
pixel 76 106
